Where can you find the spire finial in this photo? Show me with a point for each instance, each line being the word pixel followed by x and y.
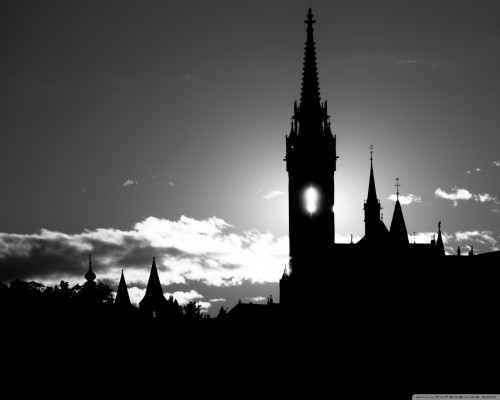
pixel 309 21
pixel 371 153
pixel 397 188
pixel 90 261
pixel 439 225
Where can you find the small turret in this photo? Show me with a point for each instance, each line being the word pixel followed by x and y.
pixel 399 234
pixel 122 297
pixel 90 275
pixel 154 302
pixel 439 243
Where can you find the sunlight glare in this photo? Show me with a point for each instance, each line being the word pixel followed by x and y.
pixel 311 200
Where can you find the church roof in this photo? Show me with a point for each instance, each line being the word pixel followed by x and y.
pixel 154 298
pixel 398 231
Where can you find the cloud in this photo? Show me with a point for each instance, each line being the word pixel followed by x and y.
pixel 468 172
pixel 136 294
pixel 483 237
pixel 272 194
pixel 455 195
pixel 495 210
pixel 217 300
pixel 340 238
pixel 170 181
pixel 425 63
pixel 496 163
pixel 463 194
pixel 406 200
pixel 256 299
pixel 207 251
pixel 483 198
pixel 129 182
pixel 184 297
pixel 407 61
pixel 478 169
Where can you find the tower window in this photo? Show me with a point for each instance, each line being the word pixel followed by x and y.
pixel 311 200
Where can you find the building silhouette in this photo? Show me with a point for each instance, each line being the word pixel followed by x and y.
pixel 364 276
pixel 319 268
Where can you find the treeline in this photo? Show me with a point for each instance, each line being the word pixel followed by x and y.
pixel 25 301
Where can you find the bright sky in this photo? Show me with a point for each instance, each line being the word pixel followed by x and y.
pixel 140 129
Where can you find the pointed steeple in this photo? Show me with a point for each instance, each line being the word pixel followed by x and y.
pixel 122 297
pixel 439 244
pixel 309 97
pixel 372 191
pixel 153 300
pixel 398 231
pixel 374 226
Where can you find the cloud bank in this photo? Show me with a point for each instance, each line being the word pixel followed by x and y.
pixel 208 251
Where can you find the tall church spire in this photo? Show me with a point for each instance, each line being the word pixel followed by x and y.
pixel 372 191
pixel 374 227
pixel 309 97
pixel 311 158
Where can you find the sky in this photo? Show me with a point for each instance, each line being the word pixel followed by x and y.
pixel 133 130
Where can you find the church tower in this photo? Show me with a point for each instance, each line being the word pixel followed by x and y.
pixel 376 232
pixel 311 164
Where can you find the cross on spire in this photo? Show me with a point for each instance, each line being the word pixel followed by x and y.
pixel 397 188
pixel 309 21
pixel 371 153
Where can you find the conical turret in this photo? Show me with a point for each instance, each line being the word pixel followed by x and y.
pixel 439 243
pixel 122 297
pixel 399 234
pixel 154 302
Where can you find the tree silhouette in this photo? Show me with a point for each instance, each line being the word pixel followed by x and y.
pixel 192 311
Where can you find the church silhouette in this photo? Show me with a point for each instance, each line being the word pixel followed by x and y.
pixel 381 267
pixel 428 315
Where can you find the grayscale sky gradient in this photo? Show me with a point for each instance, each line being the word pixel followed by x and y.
pixel 138 129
